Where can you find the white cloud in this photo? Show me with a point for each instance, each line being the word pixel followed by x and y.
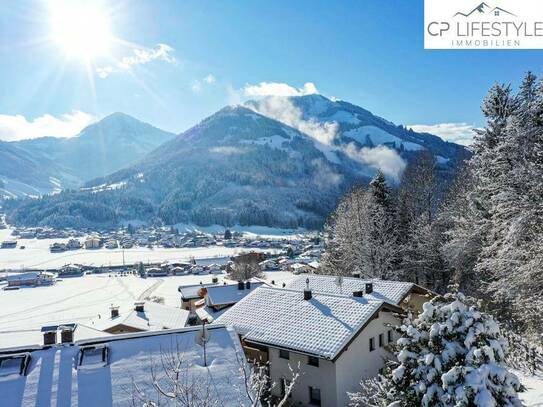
pixel 17 127
pixel 460 133
pixel 140 56
pixel 279 89
pixel 380 158
pixel 198 84
pixel 210 79
pixel 283 110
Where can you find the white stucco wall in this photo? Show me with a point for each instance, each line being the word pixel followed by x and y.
pixel 322 377
pixel 357 362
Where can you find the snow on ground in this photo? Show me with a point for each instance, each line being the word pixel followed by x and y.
pixel 533 396
pixel 37 255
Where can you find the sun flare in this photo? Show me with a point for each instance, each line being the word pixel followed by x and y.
pixel 80 30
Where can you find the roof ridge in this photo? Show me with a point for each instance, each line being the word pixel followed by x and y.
pixel 326 294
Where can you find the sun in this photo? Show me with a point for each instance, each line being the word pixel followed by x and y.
pixel 80 29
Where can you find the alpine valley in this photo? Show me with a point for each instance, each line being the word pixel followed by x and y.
pixel 277 161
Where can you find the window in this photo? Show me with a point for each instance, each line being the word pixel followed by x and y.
pixel 284 384
pixel 314 396
pixel 16 364
pixel 372 344
pixel 389 336
pixel 313 361
pixel 284 354
pixel 93 356
pixel 497 13
pixel 381 340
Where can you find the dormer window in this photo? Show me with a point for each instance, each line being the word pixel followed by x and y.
pixel 91 357
pixel 16 364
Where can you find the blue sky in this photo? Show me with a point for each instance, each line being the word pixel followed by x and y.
pixel 175 62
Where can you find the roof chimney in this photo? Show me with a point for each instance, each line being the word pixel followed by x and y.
pixel 369 288
pixel 241 286
pixel 49 335
pixel 307 291
pixel 67 333
pixel 215 280
pixel 358 293
pixel 139 306
pixel 114 312
pixel 248 285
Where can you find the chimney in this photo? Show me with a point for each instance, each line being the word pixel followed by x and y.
pixel 139 307
pixel 358 293
pixel 307 291
pixel 67 334
pixel 241 286
pixel 369 288
pixel 114 312
pixel 49 335
pixel 215 280
pixel 248 285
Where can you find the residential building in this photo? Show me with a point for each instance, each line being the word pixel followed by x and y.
pixel 106 371
pixel 334 339
pixel 400 293
pixel 31 279
pixel 144 316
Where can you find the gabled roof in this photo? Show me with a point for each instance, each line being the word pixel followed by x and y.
pixel 321 326
pixel 54 376
pixel 154 317
pixel 390 291
pixel 229 294
pixel 190 292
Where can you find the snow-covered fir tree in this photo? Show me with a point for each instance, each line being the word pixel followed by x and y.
pixel 452 354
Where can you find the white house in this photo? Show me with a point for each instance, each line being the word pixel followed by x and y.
pixel 401 293
pixel 105 372
pixel 337 339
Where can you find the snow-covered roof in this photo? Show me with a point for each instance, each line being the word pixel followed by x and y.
pixel 57 376
pixel 321 326
pixel 386 290
pixel 190 292
pixel 23 276
pixel 34 337
pixel 229 294
pixel 154 317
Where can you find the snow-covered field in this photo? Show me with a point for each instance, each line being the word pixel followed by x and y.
pixel 82 299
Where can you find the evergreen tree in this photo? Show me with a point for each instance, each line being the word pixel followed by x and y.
pixel 452 354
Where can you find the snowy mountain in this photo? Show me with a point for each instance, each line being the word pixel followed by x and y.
pixel 274 162
pixel 44 165
pixel 101 148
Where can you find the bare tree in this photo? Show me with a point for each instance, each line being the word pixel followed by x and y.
pixel 173 382
pixel 246 266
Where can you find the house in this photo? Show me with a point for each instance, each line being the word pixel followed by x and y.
pixel 8 244
pixel 220 297
pixel 156 272
pixel 31 279
pixel 401 293
pixel 93 242
pixel 191 294
pixel 71 270
pixel 337 340
pixel 144 316
pixel 106 371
